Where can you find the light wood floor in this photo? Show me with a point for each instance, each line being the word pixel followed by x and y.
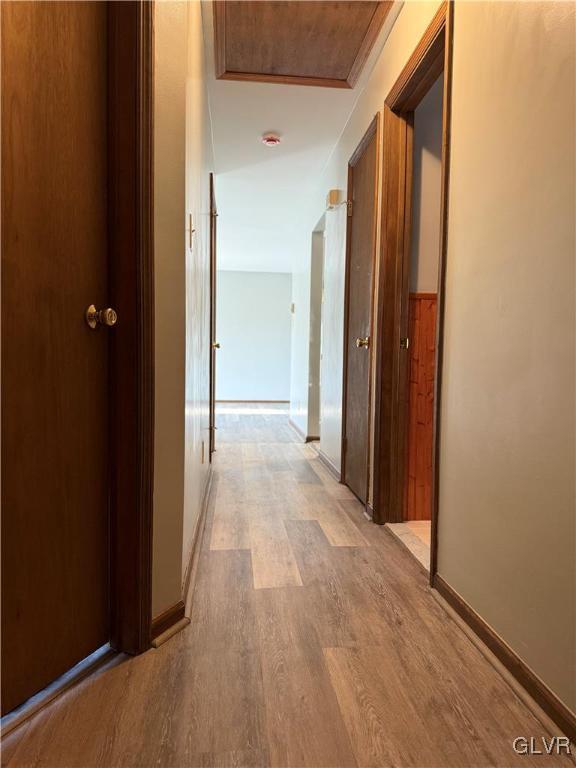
pixel 314 641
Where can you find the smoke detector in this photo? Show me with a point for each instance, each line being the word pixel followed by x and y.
pixel 271 139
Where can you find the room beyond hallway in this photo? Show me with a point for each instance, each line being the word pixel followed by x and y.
pixel 314 641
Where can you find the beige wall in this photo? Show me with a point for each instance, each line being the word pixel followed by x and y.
pixel 253 326
pixel 507 524
pixel 507 507
pixel 183 157
pixel 403 38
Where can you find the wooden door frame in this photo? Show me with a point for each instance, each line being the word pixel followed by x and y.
pixel 130 148
pixel 373 130
pixel 212 407
pixel 431 57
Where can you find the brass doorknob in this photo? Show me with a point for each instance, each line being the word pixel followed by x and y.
pixel 216 345
pixel 365 342
pixel 96 317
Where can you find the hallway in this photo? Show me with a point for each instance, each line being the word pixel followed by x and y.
pixel 314 641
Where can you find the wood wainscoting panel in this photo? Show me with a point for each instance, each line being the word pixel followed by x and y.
pixel 422 351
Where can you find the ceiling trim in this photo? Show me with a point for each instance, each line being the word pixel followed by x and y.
pixel 222 73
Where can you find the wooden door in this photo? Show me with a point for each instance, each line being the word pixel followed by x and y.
pixel 213 341
pixel 55 507
pixel 361 245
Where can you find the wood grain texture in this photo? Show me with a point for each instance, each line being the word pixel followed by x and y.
pixel 422 352
pixel 359 665
pixel 298 42
pixel 77 87
pixel 422 69
pixel 538 690
pixel 131 285
pixel 55 400
pixel 444 200
pixel 392 320
pixel 305 726
pixel 230 528
pixel 363 176
pixel 273 561
pixel 167 619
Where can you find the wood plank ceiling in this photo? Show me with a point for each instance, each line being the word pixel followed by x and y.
pixel 301 42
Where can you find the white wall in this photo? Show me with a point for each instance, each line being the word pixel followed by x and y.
pixel 315 333
pixel 426 191
pixel 199 164
pixel 507 526
pixel 332 335
pixel 253 327
pixel 182 160
pixel 300 345
pixel 507 535
pixel 170 37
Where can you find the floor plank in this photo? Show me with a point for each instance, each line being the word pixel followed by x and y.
pixel 314 641
pixel 230 528
pixel 305 727
pixel 273 561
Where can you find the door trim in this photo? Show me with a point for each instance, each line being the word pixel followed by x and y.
pixel 431 57
pixel 373 130
pixel 130 146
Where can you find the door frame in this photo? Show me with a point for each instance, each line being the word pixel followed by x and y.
pixel 213 277
pixel 131 385
pixel 431 57
pixel 373 129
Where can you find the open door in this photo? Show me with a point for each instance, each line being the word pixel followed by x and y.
pixel 409 326
pixel 214 346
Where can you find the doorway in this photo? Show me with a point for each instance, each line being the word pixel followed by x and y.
pixel 422 307
pixel 358 301
pixel 315 337
pixel 77 371
pixel 416 112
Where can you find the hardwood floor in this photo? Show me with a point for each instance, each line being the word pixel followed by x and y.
pixel 314 641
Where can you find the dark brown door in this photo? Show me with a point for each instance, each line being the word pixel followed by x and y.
pixel 55 558
pixel 213 341
pixel 361 243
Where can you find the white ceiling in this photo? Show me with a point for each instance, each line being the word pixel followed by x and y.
pixel 261 192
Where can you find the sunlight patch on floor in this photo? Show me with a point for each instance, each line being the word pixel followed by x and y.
pixel 243 409
pixel 415 535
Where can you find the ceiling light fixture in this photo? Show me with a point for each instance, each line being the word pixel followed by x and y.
pixel 271 139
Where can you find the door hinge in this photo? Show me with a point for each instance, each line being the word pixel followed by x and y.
pixel 349 206
pixel 404 343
